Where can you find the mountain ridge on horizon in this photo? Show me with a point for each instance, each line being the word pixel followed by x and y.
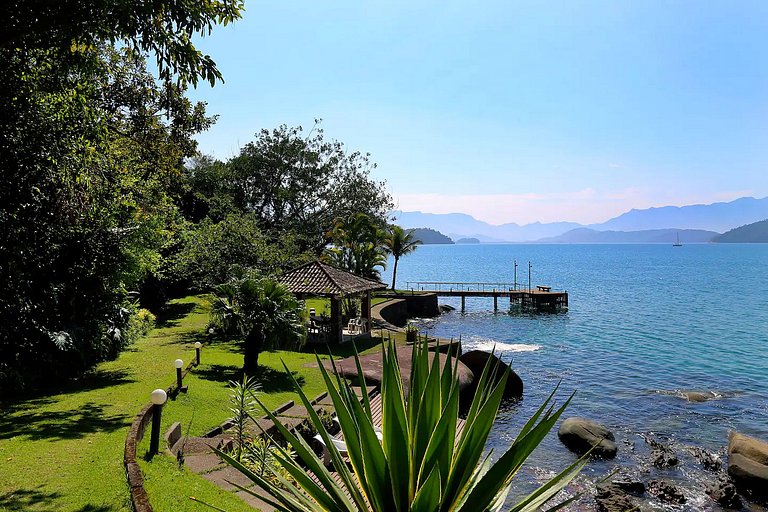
pixel 718 217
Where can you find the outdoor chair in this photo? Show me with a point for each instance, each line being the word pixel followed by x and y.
pixel 338 443
pixel 353 326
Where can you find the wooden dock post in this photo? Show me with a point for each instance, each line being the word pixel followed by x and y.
pixel 463 299
pixel 495 302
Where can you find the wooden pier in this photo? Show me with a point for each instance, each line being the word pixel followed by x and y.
pixel 538 297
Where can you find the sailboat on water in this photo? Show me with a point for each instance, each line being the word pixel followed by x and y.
pixel 677 243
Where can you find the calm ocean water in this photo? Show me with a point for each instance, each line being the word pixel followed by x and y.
pixel 643 320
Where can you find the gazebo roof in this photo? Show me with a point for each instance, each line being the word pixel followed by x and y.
pixel 317 278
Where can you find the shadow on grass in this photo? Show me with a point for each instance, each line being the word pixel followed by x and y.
pixel 172 313
pixel 24 499
pixel 93 380
pixel 26 421
pixel 192 337
pixel 270 380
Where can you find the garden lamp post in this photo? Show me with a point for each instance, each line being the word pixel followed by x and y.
pixel 158 397
pixel 179 363
pixel 198 346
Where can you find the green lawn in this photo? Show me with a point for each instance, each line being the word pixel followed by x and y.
pixel 63 451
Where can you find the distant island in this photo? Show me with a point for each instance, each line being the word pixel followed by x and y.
pixel 715 218
pixel 755 233
pixel 430 236
pixel 468 241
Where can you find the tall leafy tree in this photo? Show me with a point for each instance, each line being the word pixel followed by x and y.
pixel 300 183
pixel 89 144
pixel 399 242
pixel 264 312
pixel 162 29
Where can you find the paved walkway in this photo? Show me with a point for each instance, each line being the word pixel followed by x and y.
pixel 199 457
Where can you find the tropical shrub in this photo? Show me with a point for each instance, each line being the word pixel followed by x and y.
pixel 264 312
pixel 416 466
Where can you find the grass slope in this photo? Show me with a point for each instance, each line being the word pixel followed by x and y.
pixel 63 451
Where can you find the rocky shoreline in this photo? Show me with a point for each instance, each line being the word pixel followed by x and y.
pixel 739 484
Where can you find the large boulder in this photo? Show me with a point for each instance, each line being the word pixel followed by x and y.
pixel 476 360
pixel 748 463
pixel 580 434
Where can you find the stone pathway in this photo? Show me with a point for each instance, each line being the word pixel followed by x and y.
pixel 199 457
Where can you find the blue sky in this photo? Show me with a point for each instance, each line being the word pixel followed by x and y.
pixel 511 111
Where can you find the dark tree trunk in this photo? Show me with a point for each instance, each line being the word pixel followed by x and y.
pixel 253 344
pixel 394 273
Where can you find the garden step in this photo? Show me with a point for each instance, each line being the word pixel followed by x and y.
pixel 222 478
pixel 255 502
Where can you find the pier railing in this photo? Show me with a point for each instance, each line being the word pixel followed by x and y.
pixel 455 286
pixel 434 286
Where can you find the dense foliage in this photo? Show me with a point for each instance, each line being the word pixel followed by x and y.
pixel 105 195
pixel 90 143
pixel 357 245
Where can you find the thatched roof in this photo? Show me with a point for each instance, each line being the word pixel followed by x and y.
pixel 317 278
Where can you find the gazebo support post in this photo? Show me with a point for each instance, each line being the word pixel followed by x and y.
pixel 366 310
pixel 336 325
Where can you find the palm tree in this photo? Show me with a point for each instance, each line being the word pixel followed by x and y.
pixel 413 463
pixel 398 243
pixel 358 246
pixel 264 312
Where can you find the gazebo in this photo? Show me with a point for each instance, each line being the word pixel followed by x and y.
pixel 318 279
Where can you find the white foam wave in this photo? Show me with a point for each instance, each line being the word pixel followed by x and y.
pixel 489 345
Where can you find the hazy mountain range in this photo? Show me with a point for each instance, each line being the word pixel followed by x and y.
pixel 714 218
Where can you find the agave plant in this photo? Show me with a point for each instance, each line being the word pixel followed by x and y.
pixel 419 464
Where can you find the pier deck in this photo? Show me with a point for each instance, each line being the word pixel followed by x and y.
pixel 538 297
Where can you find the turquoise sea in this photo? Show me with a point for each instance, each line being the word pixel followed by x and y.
pixel 644 322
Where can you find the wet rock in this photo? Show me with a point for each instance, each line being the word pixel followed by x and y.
pixel 698 396
pixel 445 308
pixel 724 493
pixel 629 485
pixel 748 463
pixel 710 461
pixel 693 395
pixel 662 455
pixel 476 360
pixel 580 434
pixel 666 492
pixel 611 498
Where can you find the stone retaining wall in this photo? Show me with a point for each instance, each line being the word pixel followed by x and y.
pixel 401 307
